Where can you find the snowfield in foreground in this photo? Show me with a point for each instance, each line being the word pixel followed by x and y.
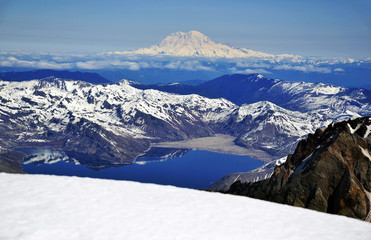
pixel 51 207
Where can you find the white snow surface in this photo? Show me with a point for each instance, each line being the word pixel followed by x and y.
pixel 51 207
pixel 368 131
pixel 352 131
pixel 365 152
pixel 267 116
pixel 289 122
pixel 337 103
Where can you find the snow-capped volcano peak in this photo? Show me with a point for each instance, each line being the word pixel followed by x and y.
pixel 194 44
pixel 192 39
pixel 189 35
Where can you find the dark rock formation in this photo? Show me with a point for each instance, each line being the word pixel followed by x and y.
pixel 255 175
pixel 10 161
pixel 330 171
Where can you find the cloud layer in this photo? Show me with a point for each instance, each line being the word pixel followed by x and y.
pixel 136 63
pixel 60 62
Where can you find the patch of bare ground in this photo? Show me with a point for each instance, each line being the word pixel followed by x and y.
pixel 219 143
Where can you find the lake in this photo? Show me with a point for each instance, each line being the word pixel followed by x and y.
pixel 178 167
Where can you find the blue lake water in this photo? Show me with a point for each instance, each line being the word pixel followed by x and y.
pixel 191 168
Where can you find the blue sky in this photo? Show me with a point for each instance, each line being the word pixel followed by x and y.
pixel 308 28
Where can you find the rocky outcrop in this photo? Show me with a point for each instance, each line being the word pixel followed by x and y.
pixel 255 175
pixel 330 171
pixel 10 161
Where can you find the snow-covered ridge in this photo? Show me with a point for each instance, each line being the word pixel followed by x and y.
pixel 337 103
pixel 292 122
pixel 34 207
pixel 315 88
pixel 100 104
pixel 275 129
pixel 37 109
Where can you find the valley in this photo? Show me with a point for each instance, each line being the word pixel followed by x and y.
pixel 220 143
pixel 177 167
pixel 118 122
pixel 114 124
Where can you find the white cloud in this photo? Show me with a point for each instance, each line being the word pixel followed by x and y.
pixel 253 65
pixel 15 62
pixel 249 71
pixel 11 61
pixel 87 65
pixel 339 70
pixel 303 68
pixel 99 61
pixel 53 65
pixel 187 65
pixel 135 63
pixel 101 64
pixel 5 64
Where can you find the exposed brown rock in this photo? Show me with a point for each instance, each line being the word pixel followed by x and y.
pixel 330 171
pixel 10 161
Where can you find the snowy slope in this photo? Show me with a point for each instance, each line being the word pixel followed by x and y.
pixel 100 104
pixel 271 128
pixel 326 99
pixel 50 207
pixel 288 122
pixel 196 44
pixel 304 96
pixel 114 122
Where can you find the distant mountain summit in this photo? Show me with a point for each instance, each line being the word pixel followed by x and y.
pixel 195 44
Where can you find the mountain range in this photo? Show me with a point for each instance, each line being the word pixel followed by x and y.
pixel 117 122
pixel 275 108
pixel 111 124
pixel 297 96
